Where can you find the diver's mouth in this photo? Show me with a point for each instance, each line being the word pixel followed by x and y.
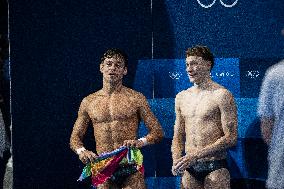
pixel 191 75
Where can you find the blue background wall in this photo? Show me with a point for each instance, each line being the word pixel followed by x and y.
pixel 55 51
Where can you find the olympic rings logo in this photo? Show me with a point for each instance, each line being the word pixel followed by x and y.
pixel 222 3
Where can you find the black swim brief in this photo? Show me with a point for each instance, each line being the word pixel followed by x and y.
pixel 122 172
pixel 201 169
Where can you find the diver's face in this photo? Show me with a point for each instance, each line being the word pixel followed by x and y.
pixel 113 69
pixel 197 68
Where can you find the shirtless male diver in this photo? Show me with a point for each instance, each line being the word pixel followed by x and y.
pixel 205 126
pixel 115 112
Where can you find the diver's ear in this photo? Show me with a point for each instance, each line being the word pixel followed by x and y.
pixel 125 70
pixel 101 67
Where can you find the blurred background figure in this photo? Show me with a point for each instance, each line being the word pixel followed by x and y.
pixel 4 129
pixel 6 170
pixel 271 112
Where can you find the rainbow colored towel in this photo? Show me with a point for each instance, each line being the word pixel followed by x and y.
pixel 105 165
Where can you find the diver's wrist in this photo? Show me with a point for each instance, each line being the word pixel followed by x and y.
pixel 80 150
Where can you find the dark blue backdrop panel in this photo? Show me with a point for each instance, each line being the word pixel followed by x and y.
pixel 165 112
pixel 144 78
pixel 164 78
pixel 248 126
pixel 55 55
pixel 248 29
pixel 163 182
pixel 163 31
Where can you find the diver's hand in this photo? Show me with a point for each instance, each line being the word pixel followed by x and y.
pixel 87 156
pixel 133 143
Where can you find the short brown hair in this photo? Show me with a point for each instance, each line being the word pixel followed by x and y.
pixel 115 52
pixel 201 51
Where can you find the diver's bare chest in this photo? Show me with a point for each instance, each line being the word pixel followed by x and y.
pixel 111 109
pixel 199 106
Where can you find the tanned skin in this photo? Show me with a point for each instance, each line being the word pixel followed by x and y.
pixel 115 112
